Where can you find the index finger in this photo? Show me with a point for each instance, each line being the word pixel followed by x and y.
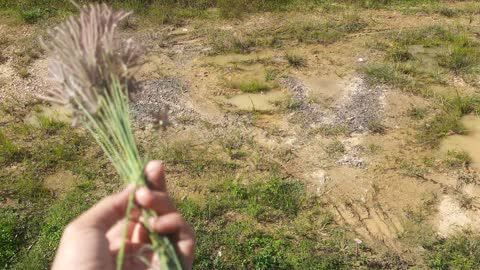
pixel 155 173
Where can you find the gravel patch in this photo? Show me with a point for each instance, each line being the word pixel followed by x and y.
pixel 353 149
pixel 351 161
pixel 160 95
pixel 311 113
pixel 361 105
pixel 23 91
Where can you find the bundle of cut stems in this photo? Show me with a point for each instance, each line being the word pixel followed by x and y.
pixel 92 72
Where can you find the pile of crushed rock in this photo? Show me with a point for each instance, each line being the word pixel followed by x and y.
pixel 160 96
pixel 360 105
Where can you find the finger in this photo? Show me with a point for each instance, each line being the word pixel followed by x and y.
pixel 116 232
pixel 118 229
pixel 140 234
pixel 167 224
pixel 182 234
pixel 137 235
pixel 105 213
pixel 155 172
pixel 157 201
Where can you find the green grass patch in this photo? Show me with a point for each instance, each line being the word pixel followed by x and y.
pixel 295 60
pixel 227 42
pixel 9 152
pixel 256 219
pixel 457 159
pixel 461 58
pixel 10 237
pixel 253 87
pixel 430 36
pixel 396 75
pixel 310 33
pixel 447 12
pixel 462 51
pixel 41 254
pixel 262 199
pixel 247 242
pixel 303 31
pixel 448 122
pixel 441 126
pixel 460 251
pixel 271 75
pixel 462 105
pixel 400 54
pixel 442 53
pixel 314 32
pixel 51 125
pixel 335 148
pixel 33 220
pixel 186 158
pixel 31 16
pixel 427 56
pixel 413 169
pixel 417 113
pixel 27 187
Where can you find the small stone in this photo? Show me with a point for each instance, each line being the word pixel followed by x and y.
pixel 320 177
pixel 351 161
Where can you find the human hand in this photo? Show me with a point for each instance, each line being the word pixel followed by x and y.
pixel 93 240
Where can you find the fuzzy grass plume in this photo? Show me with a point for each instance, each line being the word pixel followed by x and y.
pixel 92 72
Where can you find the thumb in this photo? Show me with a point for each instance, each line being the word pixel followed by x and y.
pixel 106 213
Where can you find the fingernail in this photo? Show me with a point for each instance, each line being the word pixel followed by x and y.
pixel 142 191
pixel 148 168
pixel 153 166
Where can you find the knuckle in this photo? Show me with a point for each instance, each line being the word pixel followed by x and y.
pixel 177 217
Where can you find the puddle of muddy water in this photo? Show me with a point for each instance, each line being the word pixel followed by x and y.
pixel 251 73
pixel 324 90
pixel 55 112
pixel 427 56
pixel 256 102
pixel 241 69
pixel 469 143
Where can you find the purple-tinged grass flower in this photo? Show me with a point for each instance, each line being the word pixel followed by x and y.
pixel 84 55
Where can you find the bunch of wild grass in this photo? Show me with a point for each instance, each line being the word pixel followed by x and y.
pixel 92 71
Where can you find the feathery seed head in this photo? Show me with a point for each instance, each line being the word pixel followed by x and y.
pixel 84 55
